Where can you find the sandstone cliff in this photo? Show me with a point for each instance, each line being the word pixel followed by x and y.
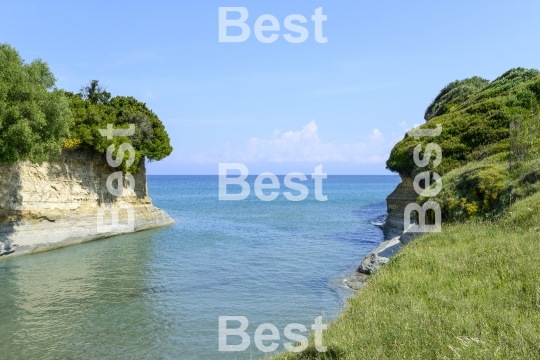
pixel 394 231
pixel 403 195
pixel 55 204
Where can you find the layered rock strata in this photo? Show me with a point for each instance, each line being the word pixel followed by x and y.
pixel 403 195
pixel 55 204
pixel 394 230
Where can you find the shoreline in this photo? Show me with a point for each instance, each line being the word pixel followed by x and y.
pixel 395 236
pixel 17 251
pixel 357 280
pixel 65 201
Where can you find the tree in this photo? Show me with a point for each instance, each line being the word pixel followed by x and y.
pixel 34 116
pixel 94 109
pixel 37 120
pixel 95 93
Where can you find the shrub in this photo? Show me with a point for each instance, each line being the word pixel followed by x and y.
pixel 473 190
pixel 479 126
pixel 524 138
pixel 34 116
pixel 37 120
pixel 95 109
pixel 453 95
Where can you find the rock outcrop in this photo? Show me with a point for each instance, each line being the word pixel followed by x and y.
pixel 403 195
pixel 380 256
pixel 55 204
pixel 394 230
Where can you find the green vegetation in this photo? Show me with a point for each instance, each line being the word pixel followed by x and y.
pixel 93 108
pixel 453 95
pixel 473 290
pixel 486 189
pixel 489 141
pixel 34 115
pixel 475 120
pixel 469 292
pixel 37 120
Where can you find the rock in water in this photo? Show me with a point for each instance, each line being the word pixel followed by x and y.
pixel 380 256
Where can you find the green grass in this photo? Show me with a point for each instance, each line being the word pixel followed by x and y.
pixel 469 292
pixel 473 290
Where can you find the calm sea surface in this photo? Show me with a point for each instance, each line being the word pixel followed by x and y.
pixel 158 294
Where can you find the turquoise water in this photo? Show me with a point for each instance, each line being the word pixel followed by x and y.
pixel 158 294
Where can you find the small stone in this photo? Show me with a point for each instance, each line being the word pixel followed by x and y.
pixel 380 256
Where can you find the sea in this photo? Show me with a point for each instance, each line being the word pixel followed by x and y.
pixel 159 294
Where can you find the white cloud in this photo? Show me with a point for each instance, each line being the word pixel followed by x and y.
pixel 301 146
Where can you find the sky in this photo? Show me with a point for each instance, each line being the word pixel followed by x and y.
pixel 277 107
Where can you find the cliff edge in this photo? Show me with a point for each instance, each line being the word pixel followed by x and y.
pixel 403 195
pixel 488 138
pixel 55 204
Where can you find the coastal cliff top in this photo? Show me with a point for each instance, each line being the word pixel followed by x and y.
pixel 490 144
pixel 38 120
pixel 475 115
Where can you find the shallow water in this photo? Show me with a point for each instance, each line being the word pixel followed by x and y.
pixel 158 294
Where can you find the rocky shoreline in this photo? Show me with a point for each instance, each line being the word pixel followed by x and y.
pixel 395 235
pixel 55 204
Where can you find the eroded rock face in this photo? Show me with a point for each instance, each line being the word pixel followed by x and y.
pixel 54 204
pixel 403 195
pixel 396 236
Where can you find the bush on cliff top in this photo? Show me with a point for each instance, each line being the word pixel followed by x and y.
pixel 34 115
pixel 453 95
pixel 490 143
pixel 37 120
pixel 475 120
pixel 93 109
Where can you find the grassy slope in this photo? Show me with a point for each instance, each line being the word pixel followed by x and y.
pixel 469 292
pixel 476 127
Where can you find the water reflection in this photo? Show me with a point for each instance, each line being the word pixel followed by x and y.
pixel 70 301
pixel 159 293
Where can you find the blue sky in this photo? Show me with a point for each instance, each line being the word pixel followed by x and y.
pixel 277 107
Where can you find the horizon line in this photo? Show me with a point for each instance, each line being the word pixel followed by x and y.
pixel 274 174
